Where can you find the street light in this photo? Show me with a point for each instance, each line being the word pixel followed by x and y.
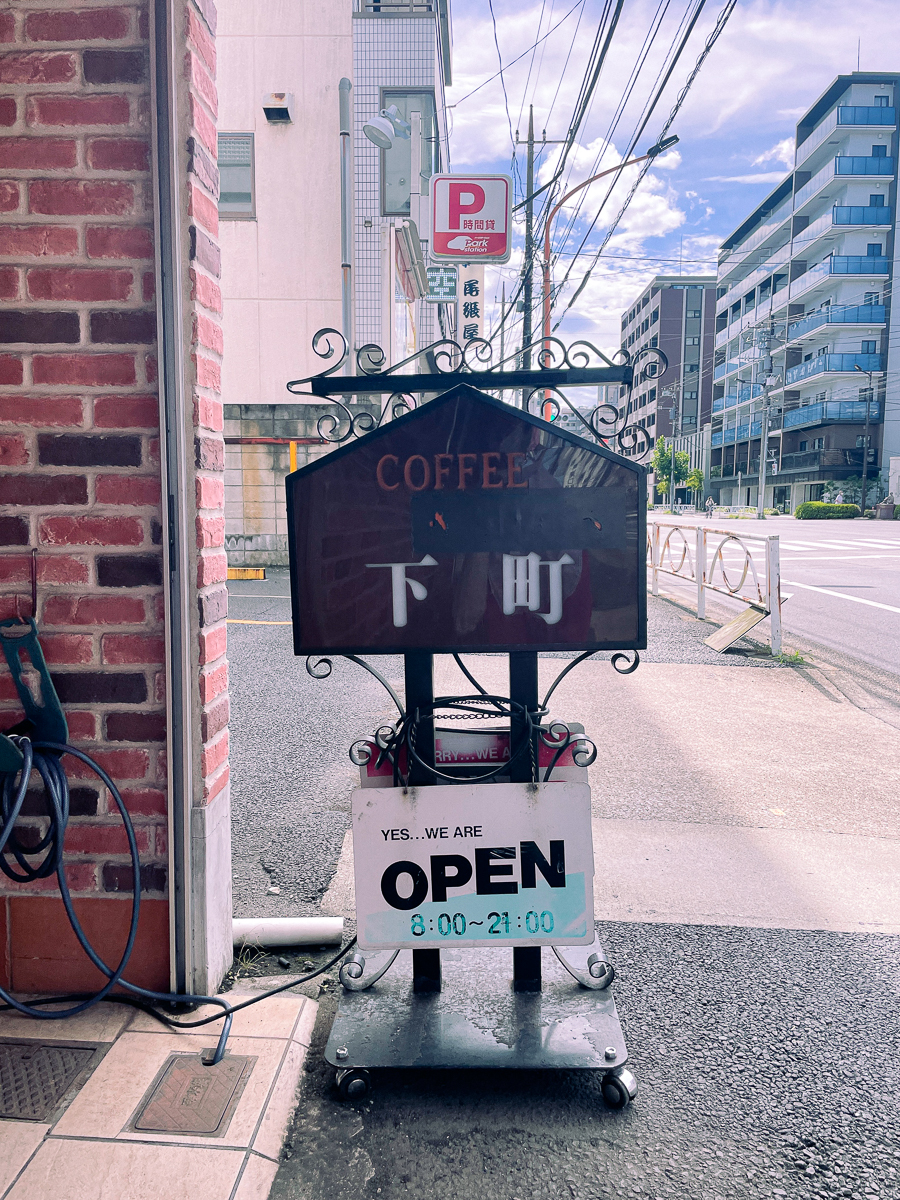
pixel 865 470
pixel 662 145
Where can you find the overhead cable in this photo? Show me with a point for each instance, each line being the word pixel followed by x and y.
pixel 721 22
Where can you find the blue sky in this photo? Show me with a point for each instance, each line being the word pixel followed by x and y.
pixel 736 126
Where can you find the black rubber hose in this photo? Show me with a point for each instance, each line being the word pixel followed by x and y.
pixel 47 758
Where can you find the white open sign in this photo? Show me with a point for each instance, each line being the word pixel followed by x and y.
pixel 507 864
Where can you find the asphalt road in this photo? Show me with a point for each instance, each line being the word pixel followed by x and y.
pixel 843 578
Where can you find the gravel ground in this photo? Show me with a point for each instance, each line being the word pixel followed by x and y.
pixel 767 1067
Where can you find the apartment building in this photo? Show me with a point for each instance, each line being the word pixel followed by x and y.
pixel 803 310
pixel 284 270
pixel 677 314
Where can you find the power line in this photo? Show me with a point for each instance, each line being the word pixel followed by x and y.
pixel 721 22
pixel 580 4
pixel 679 42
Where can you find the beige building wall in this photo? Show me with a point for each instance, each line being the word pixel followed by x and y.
pixel 281 269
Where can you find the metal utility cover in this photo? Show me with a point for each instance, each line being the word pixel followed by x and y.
pixel 468 525
pixel 35 1076
pixel 189 1097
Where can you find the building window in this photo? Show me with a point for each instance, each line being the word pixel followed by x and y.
pixel 880 102
pixel 654 341
pixel 801 446
pixel 876 200
pixel 654 316
pixel 651 395
pixel 694 312
pixel 879 151
pixel 869 347
pixel 237 194
pixel 871 298
pixel 651 420
pixel 818 443
pixel 873 250
pixel 396 163
pixel 692 341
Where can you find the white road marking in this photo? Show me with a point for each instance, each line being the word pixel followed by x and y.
pixel 808 587
pixel 837 557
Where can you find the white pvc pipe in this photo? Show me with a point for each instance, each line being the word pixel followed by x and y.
pixel 287 931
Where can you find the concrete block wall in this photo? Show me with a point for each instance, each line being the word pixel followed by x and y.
pixel 255 470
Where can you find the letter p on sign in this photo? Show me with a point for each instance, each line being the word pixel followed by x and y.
pixel 465 198
pixel 471 218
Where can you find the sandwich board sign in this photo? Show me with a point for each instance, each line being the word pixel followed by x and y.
pixel 471 218
pixel 467 525
pixel 444 867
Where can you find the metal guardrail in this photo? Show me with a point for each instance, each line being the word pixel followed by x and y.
pixel 697 554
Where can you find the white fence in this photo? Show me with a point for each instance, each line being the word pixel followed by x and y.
pixel 744 566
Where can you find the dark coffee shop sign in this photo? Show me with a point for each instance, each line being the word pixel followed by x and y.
pixel 467 525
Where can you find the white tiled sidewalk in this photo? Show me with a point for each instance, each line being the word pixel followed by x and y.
pixel 89 1153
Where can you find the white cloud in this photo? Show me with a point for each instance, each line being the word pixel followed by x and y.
pixel 774 59
pixel 762 177
pixel 782 152
pixel 670 161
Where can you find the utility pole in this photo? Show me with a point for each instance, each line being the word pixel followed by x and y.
pixel 503 323
pixel 765 344
pixel 865 470
pixel 529 243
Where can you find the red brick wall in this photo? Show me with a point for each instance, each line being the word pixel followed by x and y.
pixel 79 440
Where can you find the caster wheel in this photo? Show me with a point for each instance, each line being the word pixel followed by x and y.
pixel 353 1084
pixel 619 1088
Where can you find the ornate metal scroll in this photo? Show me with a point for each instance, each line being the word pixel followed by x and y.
pixel 446 363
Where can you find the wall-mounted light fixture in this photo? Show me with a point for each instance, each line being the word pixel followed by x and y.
pixel 278 107
pixel 385 127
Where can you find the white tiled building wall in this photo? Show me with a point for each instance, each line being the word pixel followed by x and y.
pixel 387 52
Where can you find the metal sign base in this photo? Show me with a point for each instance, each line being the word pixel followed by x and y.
pixel 476 1020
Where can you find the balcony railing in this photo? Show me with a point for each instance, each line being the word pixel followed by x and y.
pixel 861 114
pixel 760 235
pixel 813 460
pixel 861 214
pixel 857 164
pixel 838 314
pixel 843 264
pixel 845 114
pixel 394 7
pixel 850 164
pixel 831 362
pixel 858 264
pixel 832 411
pixel 749 392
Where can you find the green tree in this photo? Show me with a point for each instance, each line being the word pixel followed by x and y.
pixel 662 466
pixel 694 480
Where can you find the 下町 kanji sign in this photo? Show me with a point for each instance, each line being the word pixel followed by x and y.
pixel 467 525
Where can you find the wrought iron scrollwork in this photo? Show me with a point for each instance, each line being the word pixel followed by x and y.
pixel 631 665
pixel 447 362
pixel 557 736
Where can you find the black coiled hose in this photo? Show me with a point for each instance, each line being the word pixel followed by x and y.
pixel 26 863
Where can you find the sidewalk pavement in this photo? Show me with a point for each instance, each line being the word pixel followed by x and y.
pixel 85 1147
pixel 757 797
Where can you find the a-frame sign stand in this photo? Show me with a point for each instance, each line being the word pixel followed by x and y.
pixel 469 526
